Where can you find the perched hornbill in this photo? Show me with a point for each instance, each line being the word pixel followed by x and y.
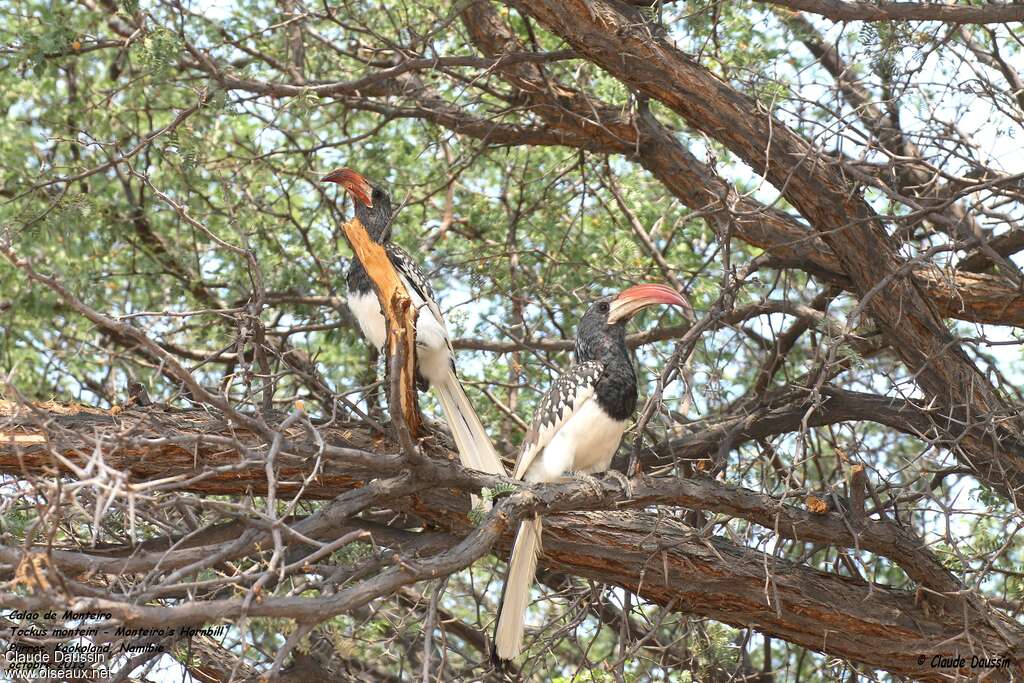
pixel 577 427
pixel 435 364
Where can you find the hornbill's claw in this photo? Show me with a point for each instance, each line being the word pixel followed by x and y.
pixel 593 482
pixel 624 483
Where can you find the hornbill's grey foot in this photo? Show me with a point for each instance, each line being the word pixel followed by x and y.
pixel 625 484
pixel 593 482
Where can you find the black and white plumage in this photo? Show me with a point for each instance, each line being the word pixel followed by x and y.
pixel 431 331
pixel 577 427
pixel 435 364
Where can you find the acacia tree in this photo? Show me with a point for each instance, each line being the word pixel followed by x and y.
pixel 194 434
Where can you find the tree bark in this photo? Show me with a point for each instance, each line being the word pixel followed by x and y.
pixel 609 127
pixel 617 38
pixel 653 554
pixel 886 10
pixel 400 319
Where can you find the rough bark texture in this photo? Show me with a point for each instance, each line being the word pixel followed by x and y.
pixel 781 495
pixel 653 554
pixel 399 316
pixel 617 38
pixel 841 10
pixel 640 136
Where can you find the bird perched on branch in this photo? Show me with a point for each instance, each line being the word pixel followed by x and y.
pixel 577 428
pixel 435 364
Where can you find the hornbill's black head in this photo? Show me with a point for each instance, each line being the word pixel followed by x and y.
pixel 602 329
pixel 373 203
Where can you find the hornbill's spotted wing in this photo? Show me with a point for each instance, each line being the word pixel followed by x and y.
pixel 414 278
pixel 566 395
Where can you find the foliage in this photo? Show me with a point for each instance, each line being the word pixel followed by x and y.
pixel 141 137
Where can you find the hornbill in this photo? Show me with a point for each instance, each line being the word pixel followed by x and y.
pixel 435 364
pixel 577 427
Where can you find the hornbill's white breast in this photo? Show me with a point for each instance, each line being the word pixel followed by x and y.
pixel 434 356
pixel 434 352
pixel 366 310
pixel 586 443
pixel 570 430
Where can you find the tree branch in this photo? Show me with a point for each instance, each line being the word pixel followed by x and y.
pixel 400 318
pixel 608 546
pixel 883 10
pixel 615 37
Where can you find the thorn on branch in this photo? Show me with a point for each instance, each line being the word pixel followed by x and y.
pixel 858 490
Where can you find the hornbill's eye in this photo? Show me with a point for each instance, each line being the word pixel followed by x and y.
pixel 603 306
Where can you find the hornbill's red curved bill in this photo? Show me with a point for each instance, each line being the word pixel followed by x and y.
pixel 577 427
pixel 435 365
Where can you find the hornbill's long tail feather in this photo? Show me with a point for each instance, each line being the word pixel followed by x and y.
pixel 475 448
pixel 508 633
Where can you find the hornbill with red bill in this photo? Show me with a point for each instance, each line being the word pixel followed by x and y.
pixel 577 428
pixel 435 364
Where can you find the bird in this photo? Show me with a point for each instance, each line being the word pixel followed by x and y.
pixel 576 427
pixel 435 359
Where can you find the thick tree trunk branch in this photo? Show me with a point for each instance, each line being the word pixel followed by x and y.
pixel 615 37
pixel 610 128
pixel 883 10
pixel 188 449
pixel 668 562
pixel 879 626
pixel 600 127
